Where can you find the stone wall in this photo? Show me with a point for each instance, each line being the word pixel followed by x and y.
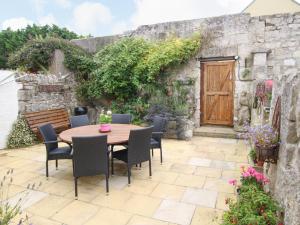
pixel 285 175
pixel 267 46
pixel 46 91
pixel 96 43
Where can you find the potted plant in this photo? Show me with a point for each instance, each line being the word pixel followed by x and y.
pixel 105 120
pixel 265 140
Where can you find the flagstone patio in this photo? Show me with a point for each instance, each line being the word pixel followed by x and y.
pixel 190 187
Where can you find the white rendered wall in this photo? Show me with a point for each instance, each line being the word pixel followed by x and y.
pixel 8 105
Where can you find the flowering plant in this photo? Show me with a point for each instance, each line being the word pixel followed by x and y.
pixel 105 117
pixel 262 136
pixel 253 206
pixel 250 176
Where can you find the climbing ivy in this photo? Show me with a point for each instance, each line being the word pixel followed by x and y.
pixel 131 69
pixel 11 41
pixel 36 55
pixel 125 73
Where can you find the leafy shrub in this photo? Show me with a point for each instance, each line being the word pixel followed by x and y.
pixel 11 41
pixel 124 73
pixel 136 107
pixel 130 70
pixel 114 77
pixel 127 66
pixel 20 135
pixel 36 55
pixel 253 205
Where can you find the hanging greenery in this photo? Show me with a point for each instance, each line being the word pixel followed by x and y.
pixel 36 55
pixel 11 41
pixel 124 73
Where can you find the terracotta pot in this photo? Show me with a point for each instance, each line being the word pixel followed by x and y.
pixel 269 154
pixel 260 163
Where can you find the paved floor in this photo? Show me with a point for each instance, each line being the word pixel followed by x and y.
pixel 190 187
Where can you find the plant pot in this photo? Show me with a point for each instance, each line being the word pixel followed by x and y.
pixel 260 163
pixel 267 154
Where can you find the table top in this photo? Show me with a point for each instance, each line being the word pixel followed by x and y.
pixel 119 133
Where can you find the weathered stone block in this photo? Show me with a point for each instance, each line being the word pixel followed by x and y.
pixel 289 62
pixel 259 59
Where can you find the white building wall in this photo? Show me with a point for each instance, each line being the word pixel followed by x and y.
pixel 8 103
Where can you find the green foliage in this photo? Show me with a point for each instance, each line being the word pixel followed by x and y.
pixel 173 97
pixel 125 73
pixel 128 71
pixel 136 107
pixel 114 77
pixel 127 66
pixel 20 135
pixel 253 206
pixel 11 41
pixel 36 55
pixel 165 54
pixel 104 118
pixel 253 155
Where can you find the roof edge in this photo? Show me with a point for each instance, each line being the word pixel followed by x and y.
pixel 248 6
pixel 294 1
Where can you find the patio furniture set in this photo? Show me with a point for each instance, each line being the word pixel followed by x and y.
pixel 91 152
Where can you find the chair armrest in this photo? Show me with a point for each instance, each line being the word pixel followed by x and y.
pixel 50 142
pixel 57 141
pixel 161 133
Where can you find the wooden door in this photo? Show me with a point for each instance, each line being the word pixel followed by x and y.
pixel 217 93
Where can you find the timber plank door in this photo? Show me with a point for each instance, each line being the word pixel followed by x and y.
pixel 217 93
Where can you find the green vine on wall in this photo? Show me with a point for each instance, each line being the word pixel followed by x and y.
pixel 36 55
pixel 124 73
pixel 130 70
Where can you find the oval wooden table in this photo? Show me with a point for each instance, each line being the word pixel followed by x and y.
pixel 119 133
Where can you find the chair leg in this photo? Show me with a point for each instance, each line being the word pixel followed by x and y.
pixel 107 186
pixel 76 190
pixel 56 164
pixel 152 152
pixel 73 166
pixel 150 169
pixel 129 173
pixel 161 158
pixel 108 166
pixel 112 159
pixel 112 164
pixel 47 170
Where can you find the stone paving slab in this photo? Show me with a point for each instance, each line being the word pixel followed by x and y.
pixel 189 188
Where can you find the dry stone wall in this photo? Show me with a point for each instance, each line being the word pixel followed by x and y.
pixel 46 91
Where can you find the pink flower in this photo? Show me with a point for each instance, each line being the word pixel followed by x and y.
pixel 259 177
pixel 246 174
pixel 232 182
pixel 251 171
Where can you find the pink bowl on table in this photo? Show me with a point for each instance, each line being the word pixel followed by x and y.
pixel 105 128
